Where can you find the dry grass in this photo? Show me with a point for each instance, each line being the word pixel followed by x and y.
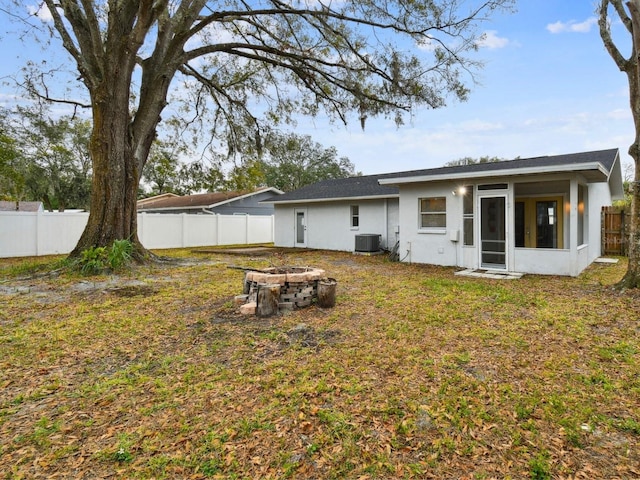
pixel 414 374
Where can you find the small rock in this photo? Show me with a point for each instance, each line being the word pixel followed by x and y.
pixel 248 308
pixel 240 299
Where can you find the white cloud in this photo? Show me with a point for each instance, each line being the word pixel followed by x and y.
pixel 572 26
pixel 41 11
pixel 491 40
pixel 425 44
pixel 480 126
pixel 620 114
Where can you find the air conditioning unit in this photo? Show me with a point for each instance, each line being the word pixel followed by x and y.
pixel 368 242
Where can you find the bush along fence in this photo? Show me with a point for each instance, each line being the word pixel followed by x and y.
pixel 25 234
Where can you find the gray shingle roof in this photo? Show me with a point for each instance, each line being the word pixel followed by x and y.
pixel 368 186
pixel 363 186
pixel 605 157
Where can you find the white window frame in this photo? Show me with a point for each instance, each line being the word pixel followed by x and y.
pixel 468 217
pixel 438 213
pixel 354 216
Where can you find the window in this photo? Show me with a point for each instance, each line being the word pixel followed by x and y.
pixel 547 224
pixel 493 186
pixel 355 216
pixel 539 222
pixel 433 212
pixel 581 222
pixel 467 215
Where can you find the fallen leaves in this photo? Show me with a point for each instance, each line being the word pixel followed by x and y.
pixel 418 375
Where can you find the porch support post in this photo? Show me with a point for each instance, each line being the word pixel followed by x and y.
pixel 573 226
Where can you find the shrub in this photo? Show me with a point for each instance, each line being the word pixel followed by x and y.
pixel 96 260
pixel 120 254
pixel 93 260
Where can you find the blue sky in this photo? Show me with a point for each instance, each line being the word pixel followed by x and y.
pixel 548 87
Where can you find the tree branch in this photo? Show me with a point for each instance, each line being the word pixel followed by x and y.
pixel 605 33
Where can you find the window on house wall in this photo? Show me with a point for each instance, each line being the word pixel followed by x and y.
pixel 467 215
pixel 433 212
pixel 547 224
pixel 539 222
pixel 355 216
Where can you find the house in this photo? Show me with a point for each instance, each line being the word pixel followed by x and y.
pixel 156 198
pixel 223 203
pixel 533 215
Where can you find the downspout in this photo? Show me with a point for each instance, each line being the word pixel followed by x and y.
pixel 208 211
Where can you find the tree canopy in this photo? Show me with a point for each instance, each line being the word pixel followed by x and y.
pixel 239 65
pixel 293 161
pixel 287 161
pixel 471 161
pixel 45 159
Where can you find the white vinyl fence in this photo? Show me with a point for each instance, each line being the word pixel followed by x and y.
pixel 25 234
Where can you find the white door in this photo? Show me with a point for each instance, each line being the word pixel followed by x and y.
pixel 301 227
pixel 493 232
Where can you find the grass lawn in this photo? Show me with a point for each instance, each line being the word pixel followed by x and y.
pixel 414 374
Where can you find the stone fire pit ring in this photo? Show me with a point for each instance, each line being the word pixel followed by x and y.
pixel 284 275
pixel 290 287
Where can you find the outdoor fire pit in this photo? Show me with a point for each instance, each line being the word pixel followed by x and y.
pixel 265 292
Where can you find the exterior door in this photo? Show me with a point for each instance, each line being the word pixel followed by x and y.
pixel 493 232
pixel 539 222
pixel 301 227
pixel 547 224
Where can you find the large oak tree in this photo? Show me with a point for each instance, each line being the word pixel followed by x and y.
pixel 630 18
pixel 250 61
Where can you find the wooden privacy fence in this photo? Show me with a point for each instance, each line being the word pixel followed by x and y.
pixel 614 231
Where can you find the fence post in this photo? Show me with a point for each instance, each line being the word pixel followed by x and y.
pixel 183 227
pixel 141 227
pixel 603 231
pixel 623 234
pixel 38 232
pixel 218 233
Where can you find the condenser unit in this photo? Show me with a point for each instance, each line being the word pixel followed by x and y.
pixel 368 242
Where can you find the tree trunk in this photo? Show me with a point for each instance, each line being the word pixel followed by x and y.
pixel 113 211
pixel 267 300
pixel 632 278
pixel 118 148
pixel 327 293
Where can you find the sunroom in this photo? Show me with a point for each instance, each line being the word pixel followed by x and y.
pixel 539 215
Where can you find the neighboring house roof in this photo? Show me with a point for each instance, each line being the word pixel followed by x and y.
pixel 200 200
pixel 595 166
pixel 150 200
pixel 11 206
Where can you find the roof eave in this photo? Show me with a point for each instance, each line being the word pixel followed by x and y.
pixel 498 173
pixel 189 207
pixel 616 183
pixel 332 199
pixel 246 195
